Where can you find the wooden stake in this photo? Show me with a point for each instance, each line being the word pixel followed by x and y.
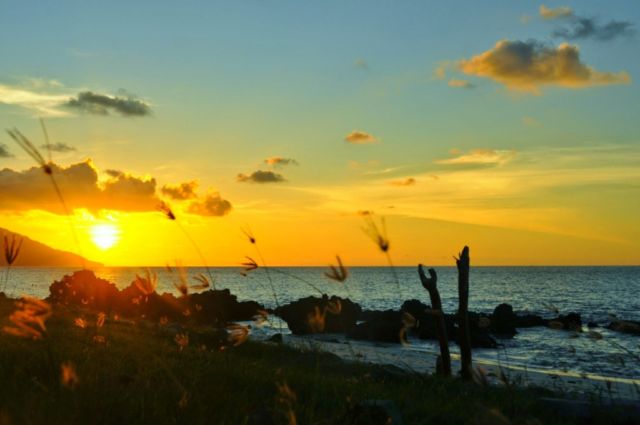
pixel 430 284
pixel 464 338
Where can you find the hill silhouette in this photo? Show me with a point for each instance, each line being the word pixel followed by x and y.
pixel 37 254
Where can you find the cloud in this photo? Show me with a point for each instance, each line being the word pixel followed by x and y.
pixel 4 151
pixel 440 72
pixel 42 104
pixel 182 191
pixel 261 177
pixel 278 161
pixel 555 13
pixel 59 147
pixel 531 122
pixel 212 205
pixel 410 181
pixel 486 157
pixel 583 28
pixel 79 184
pixel 361 63
pixel 360 138
pixel 528 65
pixel 102 104
pixel 463 84
pixel 113 173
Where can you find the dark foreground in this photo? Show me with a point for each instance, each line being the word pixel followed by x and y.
pixel 126 372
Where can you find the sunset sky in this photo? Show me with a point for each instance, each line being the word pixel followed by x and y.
pixel 512 127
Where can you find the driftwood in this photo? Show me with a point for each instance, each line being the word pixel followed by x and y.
pixel 430 284
pixel 464 338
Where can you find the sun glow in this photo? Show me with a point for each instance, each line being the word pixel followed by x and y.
pixel 104 235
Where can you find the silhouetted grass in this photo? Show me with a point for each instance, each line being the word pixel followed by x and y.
pixel 139 373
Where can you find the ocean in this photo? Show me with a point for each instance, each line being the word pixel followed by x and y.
pixel 597 293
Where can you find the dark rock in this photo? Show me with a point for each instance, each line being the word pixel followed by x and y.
pixel 320 315
pixel 84 288
pixel 214 306
pixel 592 325
pixel 277 338
pixel 625 326
pixel 530 321
pixel 382 326
pixel 569 322
pixel 479 331
pixel 503 321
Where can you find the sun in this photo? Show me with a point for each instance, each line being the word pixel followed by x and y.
pixel 104 235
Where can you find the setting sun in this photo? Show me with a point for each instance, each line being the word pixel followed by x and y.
pixel 104 235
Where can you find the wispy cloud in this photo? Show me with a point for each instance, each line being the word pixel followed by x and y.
pixel 261 176
pixel 461 84
pixel 531 122
pixel 583 28
pixel 479 157
pixel 49 98
pixel 535 190
pixel 529 65
pixel 409 181
pixel 555 13
pixel 103 104
pixel 361 63
pixel 278 161
pixel 357 137
pixel 4 151
pixel 39 103
pixel 59 147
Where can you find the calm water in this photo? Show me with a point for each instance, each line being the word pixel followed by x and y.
pixel 595 292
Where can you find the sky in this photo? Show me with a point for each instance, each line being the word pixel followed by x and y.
pixel 511 127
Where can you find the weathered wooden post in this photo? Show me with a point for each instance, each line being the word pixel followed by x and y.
pixel 464 338
pixel 430 284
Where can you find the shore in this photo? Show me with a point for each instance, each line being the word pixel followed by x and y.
pixel 126 371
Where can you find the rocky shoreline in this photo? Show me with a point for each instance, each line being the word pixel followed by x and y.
pixel 310 315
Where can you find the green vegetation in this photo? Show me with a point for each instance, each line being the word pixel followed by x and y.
pixel 139 373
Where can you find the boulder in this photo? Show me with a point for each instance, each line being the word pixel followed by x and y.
pixel 530 321
pixel 320 315
pixel 381 326
pixel 503 321
pixel 625 326
pixel 85 289
pixel 569 322
pixel 479 325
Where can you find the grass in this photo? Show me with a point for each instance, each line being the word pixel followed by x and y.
pixel 139 375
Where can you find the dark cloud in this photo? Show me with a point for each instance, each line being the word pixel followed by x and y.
pixel 102 104
pixel 583 28
pixel 114 173
pixel 278 161
pixel 4 151
pixel 59 147
pixel 410 181
pixel 78 183
pixel 528 65
pixel 212 205
pixel 182 191
pixel 261 177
